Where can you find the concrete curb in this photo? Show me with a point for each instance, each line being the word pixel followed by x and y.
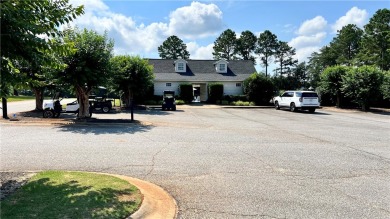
pixel 156 204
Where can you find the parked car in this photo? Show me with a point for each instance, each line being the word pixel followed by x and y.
pixel 294 100
pixel 169 100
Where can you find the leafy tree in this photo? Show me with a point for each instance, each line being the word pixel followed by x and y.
pixel 267 44
pixel 319 61
pixel 347 44
pixel 259 88
pixel 23 23
pixel 225 45
pixel 284 56
pixel 173 48
pixel 332 81
pixel 363 85
pixel 385 88
pixel 89 66
pixel 132 75
pixel 246 45
pixel 299 75
pixel 376 40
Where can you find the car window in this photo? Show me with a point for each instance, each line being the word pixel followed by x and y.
pixel 298 94
pixel 310 95
pixel 291 94
pixel 285 95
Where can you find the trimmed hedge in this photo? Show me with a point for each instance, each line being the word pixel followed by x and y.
pixel 215 92
pixel 186 93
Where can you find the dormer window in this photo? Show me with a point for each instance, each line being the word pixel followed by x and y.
pixel 180 65
pixel 221 66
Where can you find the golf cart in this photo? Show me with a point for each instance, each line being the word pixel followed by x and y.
pixel 169 100
pixel 53 108
pixel 100 101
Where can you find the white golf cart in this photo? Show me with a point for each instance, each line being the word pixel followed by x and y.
pixel 53 108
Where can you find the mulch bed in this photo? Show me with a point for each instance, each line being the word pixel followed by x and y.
pixel 12 181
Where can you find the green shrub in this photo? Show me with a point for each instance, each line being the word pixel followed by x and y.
pixel 363 85
pixel 180 102
pixel 224 102
pixel 232 98
pixel 242 103
pixel 186 93
pixel 215 92
pixel 259 89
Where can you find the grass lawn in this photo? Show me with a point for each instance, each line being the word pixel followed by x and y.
pixel 20 98
pixel 61 194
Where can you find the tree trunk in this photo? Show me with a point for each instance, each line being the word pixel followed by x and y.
pixel 339 99
pixel 365 107
pixel 4 104
pixel 266 64
pixel 128 98
pixel 38 98
pixel 83 96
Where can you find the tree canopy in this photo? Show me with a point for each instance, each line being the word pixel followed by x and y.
pixel 225 45
pixel 376 40
pixel 266 49
pixel 246 45
pixel 26 29
pixel 173 48
pixel 284 55
pixel 89 66
pixel 133 76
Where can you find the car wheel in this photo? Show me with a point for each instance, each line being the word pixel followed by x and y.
pixel 277 105
pixel 48 114
pixel 56 115
pixel 292 107
pixel 106 109
pixel 312 110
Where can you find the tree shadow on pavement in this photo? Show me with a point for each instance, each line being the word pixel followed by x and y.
pixel 106 128
pixel 71 200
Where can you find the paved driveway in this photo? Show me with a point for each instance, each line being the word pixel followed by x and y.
pixel 229 163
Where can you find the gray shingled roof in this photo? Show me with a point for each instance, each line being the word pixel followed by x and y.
pixel 202 70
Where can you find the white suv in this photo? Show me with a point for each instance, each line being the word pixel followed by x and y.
pixel 304 100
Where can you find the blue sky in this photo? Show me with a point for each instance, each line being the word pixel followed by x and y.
pixel 139 27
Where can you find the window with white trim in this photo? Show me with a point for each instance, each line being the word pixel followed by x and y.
pixel 222 67
pixel 180 66
pixel 168 84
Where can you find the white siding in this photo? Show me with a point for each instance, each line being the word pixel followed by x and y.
pixel 230 88
pixel 160 87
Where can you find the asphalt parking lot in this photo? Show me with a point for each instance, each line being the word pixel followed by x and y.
pixel 228 162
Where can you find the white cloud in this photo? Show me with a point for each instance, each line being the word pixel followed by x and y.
pixel 353 16
pixel 313 26
pixel 196 21
pixel 303 53
pixel 310 36
pixel 200 52
pixel 305 41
